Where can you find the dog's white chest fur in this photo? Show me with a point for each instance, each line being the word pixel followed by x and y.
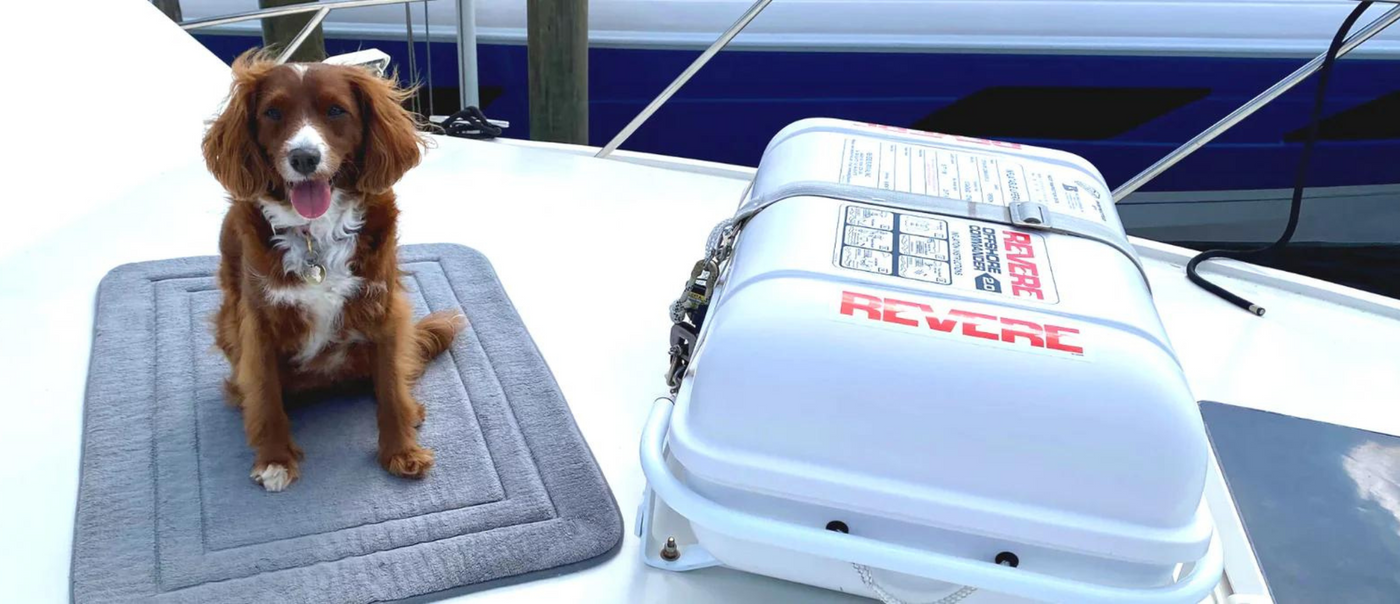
pixel 333 247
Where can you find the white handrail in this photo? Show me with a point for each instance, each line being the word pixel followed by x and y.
pixel 282 11
pixel 466 39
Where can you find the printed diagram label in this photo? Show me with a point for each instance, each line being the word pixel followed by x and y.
pixel 870 261
pixel 923 247
pixel 872 239
pixel 968 176
pixel 947 251
pixel 873 218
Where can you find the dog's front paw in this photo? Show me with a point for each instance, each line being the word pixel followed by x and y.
pixel 275 476
pixel 412 462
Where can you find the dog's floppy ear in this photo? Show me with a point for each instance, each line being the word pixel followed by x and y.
pixel 230 145
pixel 391 144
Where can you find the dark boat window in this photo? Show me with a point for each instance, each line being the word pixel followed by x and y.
pixel 447 99
pixel 1057 113
pixel 1376 119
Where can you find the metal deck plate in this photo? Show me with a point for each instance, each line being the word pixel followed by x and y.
pixel 1320 502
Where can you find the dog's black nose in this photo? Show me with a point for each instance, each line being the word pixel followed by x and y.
pixel 305 161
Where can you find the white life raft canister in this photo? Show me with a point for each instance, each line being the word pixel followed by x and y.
pixel 928 356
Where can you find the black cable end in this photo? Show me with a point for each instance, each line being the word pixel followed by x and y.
pixel 1299 182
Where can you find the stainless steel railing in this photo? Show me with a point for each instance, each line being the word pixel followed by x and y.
pixel 466 35
pixel 1264 98
pixel 282 11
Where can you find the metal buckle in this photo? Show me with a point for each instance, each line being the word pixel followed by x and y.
pixel 688 312
pixel 682 343
pixel 701 284
pixel 1030 214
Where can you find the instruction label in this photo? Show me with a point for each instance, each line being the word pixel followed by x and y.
pixel 948 251
pixel 969 176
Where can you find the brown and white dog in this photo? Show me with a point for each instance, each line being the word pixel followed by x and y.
pixel 309 272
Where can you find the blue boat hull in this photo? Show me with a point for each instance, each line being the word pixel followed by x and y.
pixel 732 108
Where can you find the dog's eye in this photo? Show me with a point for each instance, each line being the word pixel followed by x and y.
pixel 273 114
pixel 335 111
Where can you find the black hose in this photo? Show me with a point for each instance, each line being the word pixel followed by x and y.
pixel 470 123
pixel 1299 181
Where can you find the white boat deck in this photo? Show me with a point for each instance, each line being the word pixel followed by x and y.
pixel 590 251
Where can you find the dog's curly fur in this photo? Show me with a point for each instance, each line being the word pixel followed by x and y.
pixel 281 333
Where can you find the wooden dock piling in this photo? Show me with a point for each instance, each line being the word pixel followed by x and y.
pixel 558 49
pixel 171 8
pixel 279 31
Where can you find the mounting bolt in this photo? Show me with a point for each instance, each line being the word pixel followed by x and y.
pixel 670 552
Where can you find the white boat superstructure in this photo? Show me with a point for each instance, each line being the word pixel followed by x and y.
pixel 589 251
pixel 1212 27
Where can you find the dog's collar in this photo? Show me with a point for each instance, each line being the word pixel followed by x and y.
pixel 300 230
pixel 304 230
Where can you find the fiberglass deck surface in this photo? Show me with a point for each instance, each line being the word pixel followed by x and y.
pixel 591 252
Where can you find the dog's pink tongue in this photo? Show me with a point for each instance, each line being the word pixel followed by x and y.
pixel 311 198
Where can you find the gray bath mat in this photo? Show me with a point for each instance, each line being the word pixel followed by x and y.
pixel 167 513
